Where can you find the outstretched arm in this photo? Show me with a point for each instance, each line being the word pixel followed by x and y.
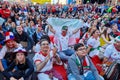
pixel 75 31
pixel 51 29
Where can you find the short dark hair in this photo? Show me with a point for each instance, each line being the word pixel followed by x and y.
pixel 76 46
pixel 43 40
pixel 45 37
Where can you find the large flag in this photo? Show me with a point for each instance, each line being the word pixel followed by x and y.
pixel 57 23
pixel 72 24
pixel 41 1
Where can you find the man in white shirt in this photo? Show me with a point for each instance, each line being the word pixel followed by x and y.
pixel 112 52
pixel 44 62
pixel 62 41
pixel 111 55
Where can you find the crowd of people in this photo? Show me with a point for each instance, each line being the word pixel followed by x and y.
pixel 24 30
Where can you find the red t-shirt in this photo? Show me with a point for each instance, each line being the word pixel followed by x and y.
pixel 114 10
pixel 53 9
pixel 70 9
pixel 5 13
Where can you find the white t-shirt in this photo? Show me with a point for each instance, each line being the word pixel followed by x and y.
pixel 94 43
pixel 63 41
pixel 40 57
pixel 4 50
pixel 112 53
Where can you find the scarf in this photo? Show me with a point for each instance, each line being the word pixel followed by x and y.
pixel 83 64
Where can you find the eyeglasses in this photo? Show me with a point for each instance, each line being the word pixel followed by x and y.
pixel 81 49
pixel 45 44
pixel 97 32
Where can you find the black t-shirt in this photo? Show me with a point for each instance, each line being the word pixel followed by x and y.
pixel 23 70
pixel 23 37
